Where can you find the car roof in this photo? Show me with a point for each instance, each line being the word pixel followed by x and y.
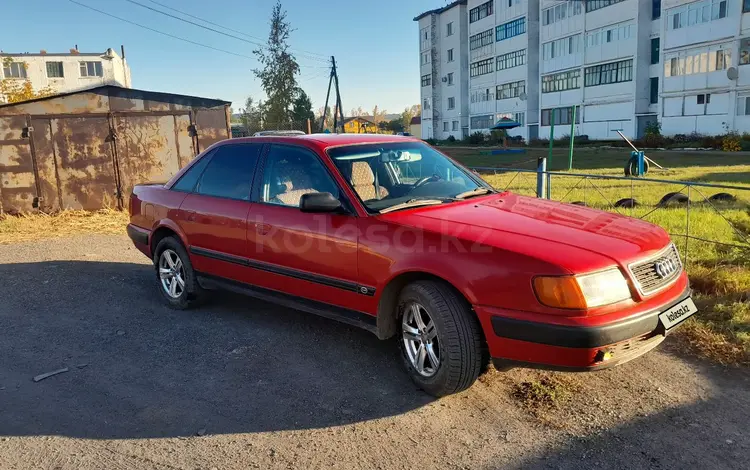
pixel 323 141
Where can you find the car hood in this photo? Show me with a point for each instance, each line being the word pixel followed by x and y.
pixel 606 233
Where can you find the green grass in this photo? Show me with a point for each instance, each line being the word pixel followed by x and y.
pixel 719 272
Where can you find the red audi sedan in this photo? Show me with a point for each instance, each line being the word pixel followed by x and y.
pixel 388 234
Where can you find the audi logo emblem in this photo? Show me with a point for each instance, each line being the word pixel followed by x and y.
pixel 665 267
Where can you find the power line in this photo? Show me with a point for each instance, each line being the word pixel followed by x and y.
pixel 161 32
pixel 255 43
pixel 228 28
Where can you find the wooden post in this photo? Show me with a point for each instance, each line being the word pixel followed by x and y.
pixel 309 129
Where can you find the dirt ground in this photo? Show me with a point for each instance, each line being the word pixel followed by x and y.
pixel 245 384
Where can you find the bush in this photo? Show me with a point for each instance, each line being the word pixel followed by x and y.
pixel 476 138
pixel 451 138
pixel 731 142
pixel 431 141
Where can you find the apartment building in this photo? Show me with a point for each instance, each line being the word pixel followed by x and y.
pixel 65 72
pixel 609 65
pixel 504 64
pixel 444 71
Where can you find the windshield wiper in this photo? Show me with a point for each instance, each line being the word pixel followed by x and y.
pixel 474 192
pixel 416 202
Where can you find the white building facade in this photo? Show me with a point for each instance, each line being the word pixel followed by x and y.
pixel 609 65
pixel 68 71
pixel 444 69
pixel 504 64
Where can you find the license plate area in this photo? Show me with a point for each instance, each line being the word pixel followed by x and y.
pixel 677 314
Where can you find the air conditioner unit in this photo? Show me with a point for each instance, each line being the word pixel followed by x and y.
pixel 445 79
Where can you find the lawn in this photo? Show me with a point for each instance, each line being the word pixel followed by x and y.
pixel 719 272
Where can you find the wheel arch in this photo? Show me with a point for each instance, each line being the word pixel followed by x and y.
pixel 387 316
pixel 166 229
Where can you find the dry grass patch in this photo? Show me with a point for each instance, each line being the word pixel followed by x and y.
pixel 543 394
pixel 30 227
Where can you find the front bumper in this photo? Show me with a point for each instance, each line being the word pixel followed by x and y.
pixel 516 342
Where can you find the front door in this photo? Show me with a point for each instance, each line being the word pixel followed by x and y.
pixel 214 215
pixel 309 255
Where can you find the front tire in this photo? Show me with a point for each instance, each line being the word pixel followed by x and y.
pixel 440 339
pixel 175 276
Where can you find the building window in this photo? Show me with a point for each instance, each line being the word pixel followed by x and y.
pixel 654 90
pixel 480 96
pixel 454 126
pixel 510 29
pixel 482 67
pixel 655 9
pixel 54 69
pixel 510 90
pixel 426 104
pixel 450 55
pixel 91 69
pixel 480 39
pixel 747 106
pixel 697 13
pixel 510 60
pixel 699 60
pixel 445 126
pixel 745 51
pixel 561 81
pixel 482 11
pixel 426 80
pixel 14 70
pixel 482 122
pixel 592 5
pixel 424 41
pixel 450 78
pixel 745 6
pixel 654 51
pixel 609 34
pixel 561 11
pixel 703 99
pixel 518 117
pixel 614 72
pixel 561 47
pixel 449 29
pixel 451 102
pixel 563 116
pixel 424 58
pixel 513 2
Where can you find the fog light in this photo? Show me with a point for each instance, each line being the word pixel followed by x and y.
pixel 602 356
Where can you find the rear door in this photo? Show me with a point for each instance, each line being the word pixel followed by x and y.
pixel 214 215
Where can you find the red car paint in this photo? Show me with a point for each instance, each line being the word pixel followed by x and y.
pixel 489 248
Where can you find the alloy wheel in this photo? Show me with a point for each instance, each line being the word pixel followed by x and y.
pixel 420 340
pixel 171 273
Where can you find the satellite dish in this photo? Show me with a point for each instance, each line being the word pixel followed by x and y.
pixel 732 73
pixel 522 96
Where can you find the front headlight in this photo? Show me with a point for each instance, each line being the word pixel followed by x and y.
pixel 583 291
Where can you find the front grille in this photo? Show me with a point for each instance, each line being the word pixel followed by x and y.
pixel 646 274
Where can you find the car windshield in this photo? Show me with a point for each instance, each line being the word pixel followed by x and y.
pixel 403 173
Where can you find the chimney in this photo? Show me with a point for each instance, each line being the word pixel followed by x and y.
pixel 122 50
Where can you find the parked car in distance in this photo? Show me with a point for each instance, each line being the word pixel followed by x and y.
pixel 388 234
pixel 404 134
pixel 270 133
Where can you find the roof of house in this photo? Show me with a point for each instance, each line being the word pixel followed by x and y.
pixel 416 120
pixel 437 11
pixel 132 93
pixel 361 118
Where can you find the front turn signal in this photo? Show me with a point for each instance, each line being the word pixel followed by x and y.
pixel 559 292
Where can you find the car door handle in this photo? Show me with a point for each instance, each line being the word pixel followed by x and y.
pixel 191 217
pixel 262 229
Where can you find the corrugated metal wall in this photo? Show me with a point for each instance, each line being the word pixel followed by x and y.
pixel 75 151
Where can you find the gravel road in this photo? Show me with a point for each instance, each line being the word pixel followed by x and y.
pixel 245 384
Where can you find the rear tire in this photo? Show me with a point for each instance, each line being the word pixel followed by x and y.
pixel 175 277
pixel 439 338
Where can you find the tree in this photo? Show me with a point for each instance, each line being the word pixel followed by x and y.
pixel 329 118
pixel 252 117
pixel 302 107
pixel 280 68
pixel 408 114
pixel 378 115
pixel 14 90
pixel 395 125
pixel 358 111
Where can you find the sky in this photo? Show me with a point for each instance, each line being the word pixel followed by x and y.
pixel 375 44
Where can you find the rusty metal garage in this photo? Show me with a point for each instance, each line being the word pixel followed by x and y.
pixel 86 149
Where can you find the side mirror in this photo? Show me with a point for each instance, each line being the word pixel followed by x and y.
pixel 319 202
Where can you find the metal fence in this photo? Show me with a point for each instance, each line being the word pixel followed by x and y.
pixel 691 211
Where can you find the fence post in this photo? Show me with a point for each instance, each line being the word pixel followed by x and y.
pixel 309 130
pixel 541 177
pixel 551 135
pixel 572 137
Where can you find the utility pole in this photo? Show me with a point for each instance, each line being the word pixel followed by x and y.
pixel 338 112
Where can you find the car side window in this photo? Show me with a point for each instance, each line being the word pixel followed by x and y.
pixel 230 172
pixel 187 182
pixel 290 172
